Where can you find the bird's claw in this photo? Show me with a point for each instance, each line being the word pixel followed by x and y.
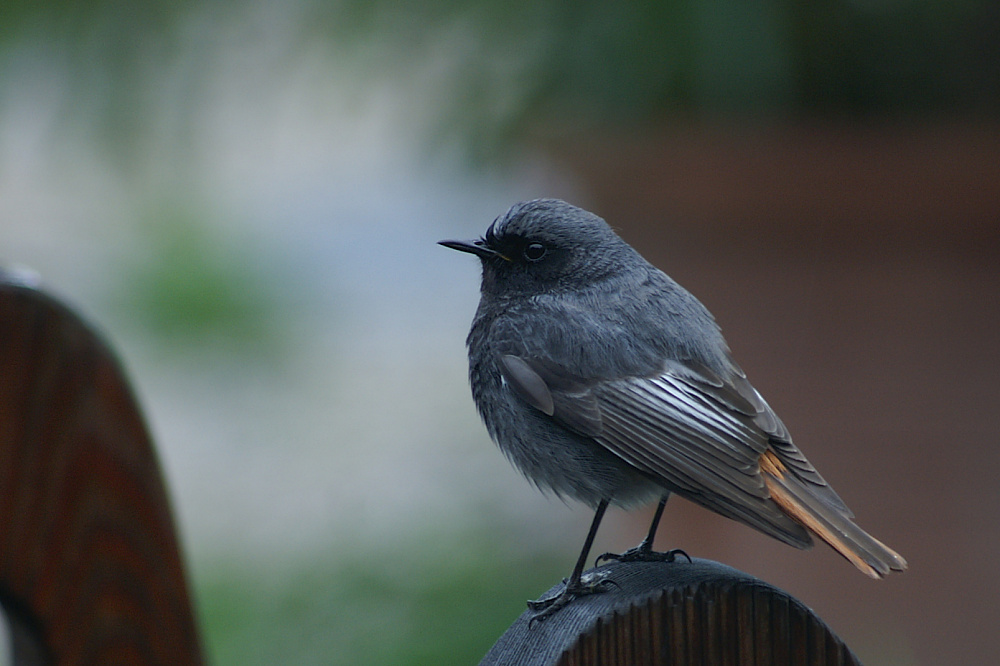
pixel 642 553
pixel 591 583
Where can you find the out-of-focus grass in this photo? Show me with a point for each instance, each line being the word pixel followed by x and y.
pixel 426 605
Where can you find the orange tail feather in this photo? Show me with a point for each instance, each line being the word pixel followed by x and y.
pixel 864 551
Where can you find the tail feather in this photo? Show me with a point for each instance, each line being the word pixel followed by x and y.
pixel 833 526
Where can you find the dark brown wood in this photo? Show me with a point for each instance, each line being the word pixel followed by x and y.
pixel 698 613
pixel 90 568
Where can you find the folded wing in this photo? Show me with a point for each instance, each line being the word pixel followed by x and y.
pixel 711 439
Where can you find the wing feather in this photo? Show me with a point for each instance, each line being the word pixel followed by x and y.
pixel 685 427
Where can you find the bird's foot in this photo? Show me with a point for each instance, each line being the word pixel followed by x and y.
pixel 589 583
pixel 642 553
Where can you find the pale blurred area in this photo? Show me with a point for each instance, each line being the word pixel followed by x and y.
pixel 245 199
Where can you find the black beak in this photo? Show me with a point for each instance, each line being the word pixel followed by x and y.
pixel 477 247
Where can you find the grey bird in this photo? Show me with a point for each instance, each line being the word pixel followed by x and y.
pixel 603 380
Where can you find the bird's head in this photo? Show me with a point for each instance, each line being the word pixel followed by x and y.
pixel 545 245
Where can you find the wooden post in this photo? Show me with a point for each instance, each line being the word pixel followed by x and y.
pixel 90 568
pixel 681 613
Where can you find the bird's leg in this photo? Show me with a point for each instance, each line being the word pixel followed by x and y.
pixel 575 586
pixel 644 551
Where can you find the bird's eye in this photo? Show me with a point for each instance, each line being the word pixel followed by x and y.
pixel 534 251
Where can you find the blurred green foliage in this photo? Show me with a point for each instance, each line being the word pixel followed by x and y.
pixel 423 605
pixel 504 71
pixel 192 287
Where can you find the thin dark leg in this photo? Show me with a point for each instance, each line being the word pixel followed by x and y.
pixel 647 543
pixel 644 551
pixel 575 586
pixel 581 562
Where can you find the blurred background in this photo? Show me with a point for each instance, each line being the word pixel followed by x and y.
pixel 245 198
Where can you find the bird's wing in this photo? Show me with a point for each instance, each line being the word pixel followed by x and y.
pixel 740 396
pixel 700 435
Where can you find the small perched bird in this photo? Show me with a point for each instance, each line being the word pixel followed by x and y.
pixel 602 379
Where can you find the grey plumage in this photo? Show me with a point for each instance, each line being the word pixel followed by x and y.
pixel 602 379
